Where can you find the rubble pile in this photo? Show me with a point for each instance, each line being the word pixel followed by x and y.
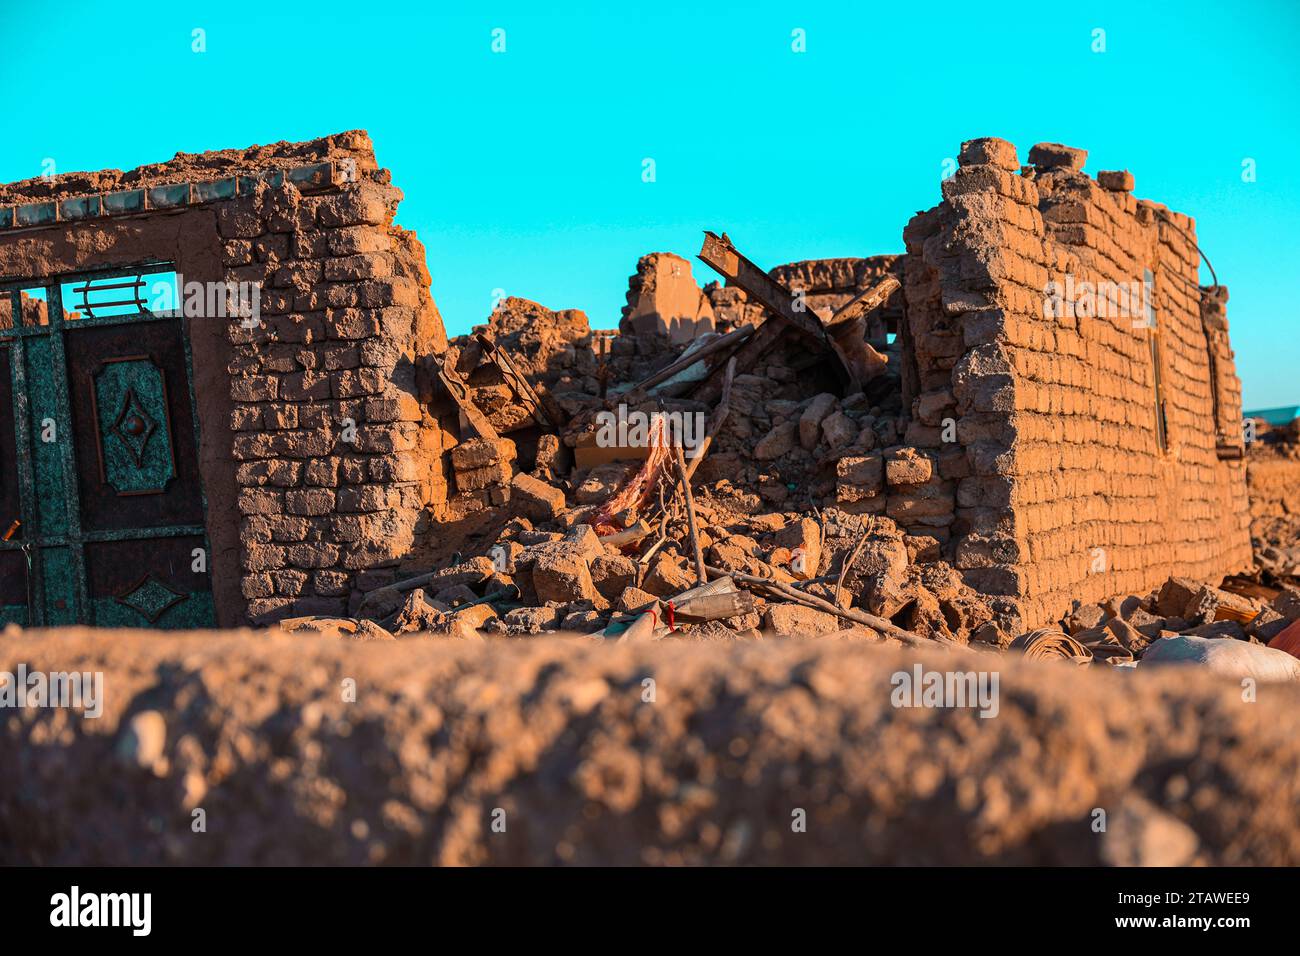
pixel 706 473
pixel 1273 476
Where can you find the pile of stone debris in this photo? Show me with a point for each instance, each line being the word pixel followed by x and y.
pixel 701 477
pixel 1273 476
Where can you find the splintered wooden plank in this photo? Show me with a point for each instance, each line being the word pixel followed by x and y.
pixel 720 255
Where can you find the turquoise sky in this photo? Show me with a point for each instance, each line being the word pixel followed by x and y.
pixel 523 170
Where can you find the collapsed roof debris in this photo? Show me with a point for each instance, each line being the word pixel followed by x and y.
pixel 732 463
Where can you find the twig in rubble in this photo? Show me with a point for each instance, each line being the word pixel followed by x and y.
pixel 716 420
pixel 679 462
pixel 853 557
pixel 662 538
pixel 849 614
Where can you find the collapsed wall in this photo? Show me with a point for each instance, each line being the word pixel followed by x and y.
pixel 314 423
pixel 1058 330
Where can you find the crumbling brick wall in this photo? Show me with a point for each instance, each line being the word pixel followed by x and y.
pixel 1066 491
pixel 319 452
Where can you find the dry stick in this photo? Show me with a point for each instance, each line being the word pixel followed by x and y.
pixel 853 557
pixel 644 561
pixel 861 617
pixel 679 462
pixel 716 420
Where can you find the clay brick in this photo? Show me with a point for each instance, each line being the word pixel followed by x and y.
pixel 351 324
pixel 480 452
pixel 254 388
pixel 353 207
pixel 313 501
pixel 907 466
pixel 989 150
pixel 1116 180
pixel 865 473
pixel 476 479
pixel 535 498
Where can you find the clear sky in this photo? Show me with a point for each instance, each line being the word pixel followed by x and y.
pixel 523 169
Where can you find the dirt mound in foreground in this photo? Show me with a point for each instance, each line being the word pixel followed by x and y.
pixel 716 761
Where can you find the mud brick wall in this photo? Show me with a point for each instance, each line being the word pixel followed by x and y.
pixel 346 318
pixel 1061 490
pixel 320 446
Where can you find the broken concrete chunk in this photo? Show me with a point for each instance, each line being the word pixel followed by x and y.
pixel 810 422
pixel 1267 625
pixel 859 477
pixel 481 452
pixel 1212 604
pixel 533 620
pixel 1287 603
pixel 991 151
pixel 838 430
pixel 612 574
pixel 454 595
pixel 762 524
pixel 668 576
pixel 777 442
pixel 803 538
pixel 1116 180
pixel 553 458
pixel 1057 156
pixel 474 571
pixel 418 613
pixel 1085 618
pixel 562 576
pixel 1129 636
pixel 601 483
pixel 907 466
pixel 583 622
pixel 1175 595
pixel 536 499
pixel 633 600
pixel 795 620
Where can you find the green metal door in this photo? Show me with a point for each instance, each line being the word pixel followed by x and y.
pixel 101 505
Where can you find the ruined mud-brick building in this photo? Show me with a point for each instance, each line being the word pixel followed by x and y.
pixel 170 462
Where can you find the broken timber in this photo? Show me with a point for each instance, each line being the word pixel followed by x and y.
pixel 841 334
pixel 470 416
pixel 543 409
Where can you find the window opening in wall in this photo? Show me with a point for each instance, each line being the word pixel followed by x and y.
pixel 144 293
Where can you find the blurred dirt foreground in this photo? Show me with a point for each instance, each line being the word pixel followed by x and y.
pixel 247 748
